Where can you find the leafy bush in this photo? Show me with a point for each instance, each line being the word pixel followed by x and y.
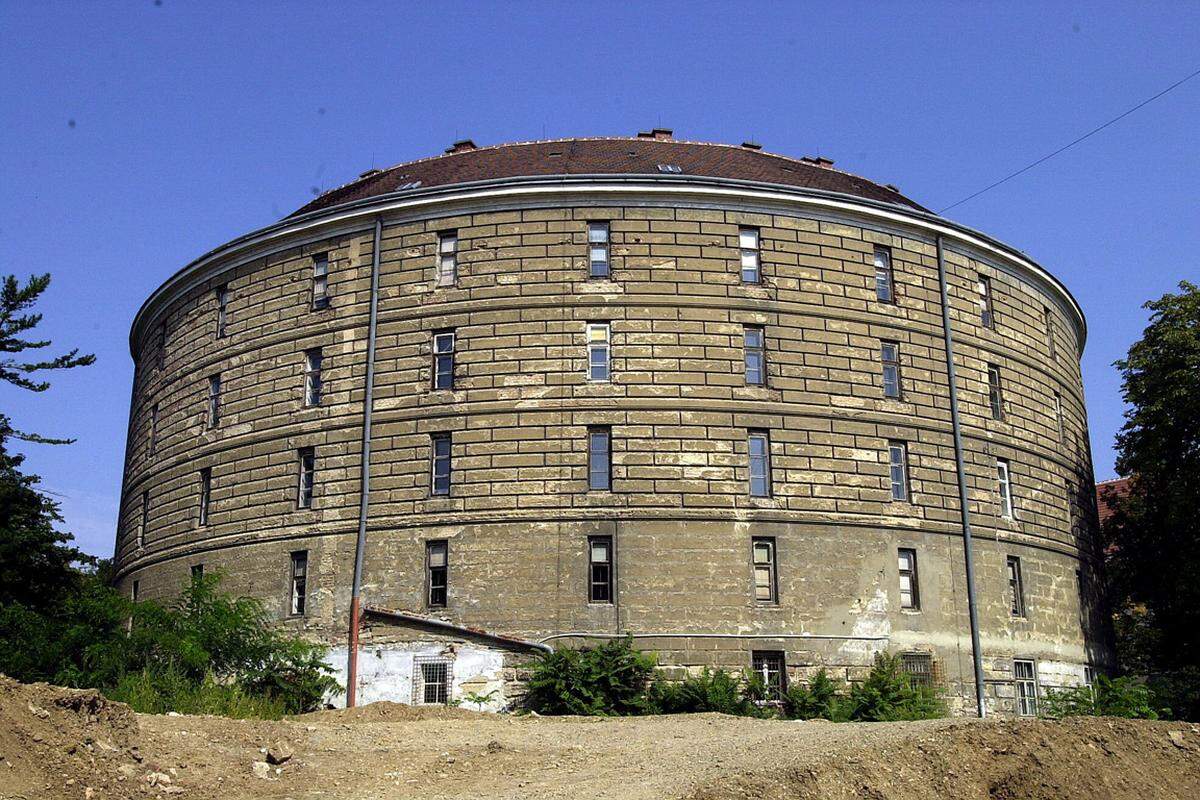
pixel 608 680
pixel 160 692
pixel 1107 697
pixel 712 691
pixel 821 698
pixel 889 694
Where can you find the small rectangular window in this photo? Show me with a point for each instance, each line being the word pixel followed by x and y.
pixel 919 667
pixel 1048 316
pixel 754 344
pixel 885 286
pixel 431 681
pixel 443 359
pixel 439 449
pixel 600 569
pixel 1004 486
pixel 154 429
pixel 766 576
pixel 205 493
pixel 599 368
pixel 160 346
pixel 987 316
pixel 320 281
pixel 136 590
pixel 214 400
pixel 1016 587
pixel 197 572
pixel 748 247
pixel 312 377
pixel 769 665
pixel 599 459
pixel 898 470
pixel 308 470
pixel 299 583
pixel 447 258
pixel 759 447
pixel 144 521
pixel 437 572
pixel 598 250
pixel 889 353
pixel 222 293
pixel 910 593
pixel 1025 676
pixel 1058 417
pixel 995 398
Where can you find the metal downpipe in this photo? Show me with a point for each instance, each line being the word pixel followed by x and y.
pixel 948 337
pixel 364 491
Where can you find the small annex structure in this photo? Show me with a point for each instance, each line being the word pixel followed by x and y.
pixel 752 410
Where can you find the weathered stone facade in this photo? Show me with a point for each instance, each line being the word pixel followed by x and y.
pixel 679 511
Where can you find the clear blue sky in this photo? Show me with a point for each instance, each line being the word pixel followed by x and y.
pixel 135 136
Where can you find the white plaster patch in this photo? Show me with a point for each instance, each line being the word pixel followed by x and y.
pixel 385 672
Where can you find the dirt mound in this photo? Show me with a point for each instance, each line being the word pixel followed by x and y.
pixel 387 711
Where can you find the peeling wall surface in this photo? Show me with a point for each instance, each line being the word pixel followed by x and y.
pixel 385 672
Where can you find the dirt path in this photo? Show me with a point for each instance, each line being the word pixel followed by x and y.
pixel 60 744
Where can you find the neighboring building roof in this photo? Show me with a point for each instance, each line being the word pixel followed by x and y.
pixel 1117 486
pixel 647 154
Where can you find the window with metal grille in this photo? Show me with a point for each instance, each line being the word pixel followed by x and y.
pixel 443 359
pixel 308 470
pixel 748 247
pixel 889 354
pixel 995 399
pixel 919 667
pixel 598 250
pixel 320 280
pixel 766 578
pixel 1004 486
pixel 885 288
pixel 770 666
pixel 437 572
pixel 440 467
pixel 298 595
pixel 214 400
pixel 447 258
pixel 1048 316
pixel 431 680
pixel 312 377
pixel 598 334
pixel 1016 587
pixel 1025 676
pixel 599 459
pixel 205 493
pixel 222 295
pixel 987 316
pixel 910 592
pixel 759 447
pixel 898 470
pixel 600 569
pixel 754 344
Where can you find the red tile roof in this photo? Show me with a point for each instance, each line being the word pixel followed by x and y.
pixel 1117 486
pixel 616 156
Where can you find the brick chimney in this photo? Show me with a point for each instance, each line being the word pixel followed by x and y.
pixel 661 134
pixel 461 146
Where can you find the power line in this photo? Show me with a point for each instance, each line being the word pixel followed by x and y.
pixel 1090 133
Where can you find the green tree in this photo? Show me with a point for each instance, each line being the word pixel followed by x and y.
pixel 1153 537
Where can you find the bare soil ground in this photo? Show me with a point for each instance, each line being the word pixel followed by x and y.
pixel 58 743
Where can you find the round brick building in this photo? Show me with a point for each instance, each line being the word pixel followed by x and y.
pixel 694 393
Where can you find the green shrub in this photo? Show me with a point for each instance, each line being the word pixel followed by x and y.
pixel 710 691
pixel 889 694
pixel 608 680
pixel 821 698
pixel 1107 697
pixel 160 692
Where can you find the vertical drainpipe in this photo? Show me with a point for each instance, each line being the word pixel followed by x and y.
pixel 972 611
pixel 364 491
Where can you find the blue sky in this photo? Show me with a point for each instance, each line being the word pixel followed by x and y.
pixel 135 136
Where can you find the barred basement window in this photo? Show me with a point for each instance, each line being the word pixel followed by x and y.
pixel 443 359
pixel 447 258
pixel 898 470
pixel 437 572
pixel 439 457
pixel 214 400
pixel 320 281
pixel 1025 677
pixel 1048 316
pixel 754 344
pixel 995 398
pixel 144 521
pixel 598 250
pixel 299 583
pixel 308 471
pixel 154 429
pixel 1004 486
pixel 759 447
pixel 885 287
pixel 769 665
pixel 766 578
pixel 919 667
pixel 1016 587
pixel 748 247
pixel 910 593
pixel 599 459
pixel 312 377
pixel 598 334
pixel 600 569
pixel 987 316
pixel 222 294
pixel 889 354
pixel 431 680
pixel 205 493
